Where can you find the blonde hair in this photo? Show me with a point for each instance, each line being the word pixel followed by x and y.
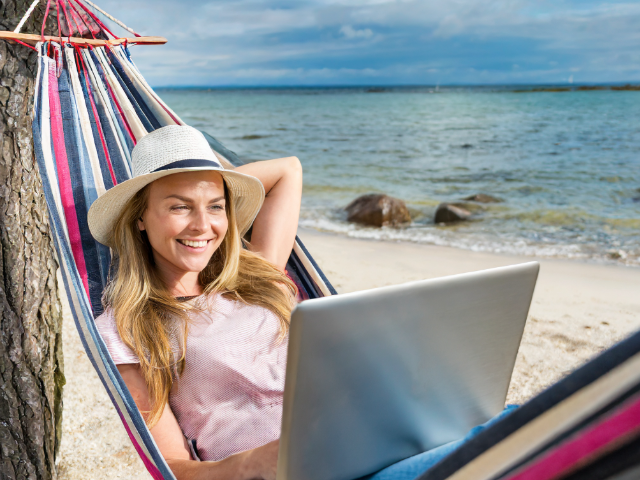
pixel 147 314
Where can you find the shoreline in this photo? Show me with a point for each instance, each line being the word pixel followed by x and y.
pixel 578 310
pixel 589 260
pixel 457 236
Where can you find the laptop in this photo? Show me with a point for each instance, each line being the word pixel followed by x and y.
pixel 377 376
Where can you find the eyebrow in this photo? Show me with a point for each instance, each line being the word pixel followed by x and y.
pixel 188 200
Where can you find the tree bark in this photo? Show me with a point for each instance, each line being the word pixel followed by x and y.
pixel 31 375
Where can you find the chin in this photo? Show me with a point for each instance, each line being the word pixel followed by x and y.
pixel 197 267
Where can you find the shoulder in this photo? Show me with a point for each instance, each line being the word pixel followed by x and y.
pixel 106 323
pixel 105 317
pixel 108 330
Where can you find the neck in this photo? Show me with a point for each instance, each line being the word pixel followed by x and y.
pixel 179 282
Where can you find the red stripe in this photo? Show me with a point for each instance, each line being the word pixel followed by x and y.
pixel 97 119
pixel 587 446
pixel 169 112
pixel 115 101
pixel 151 467
pixel 64 177
pixel 153 95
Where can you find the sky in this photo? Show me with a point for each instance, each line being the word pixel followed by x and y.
pixel 384 42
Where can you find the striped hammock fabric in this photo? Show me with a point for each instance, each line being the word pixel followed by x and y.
pixel 91 106
pixel 587 427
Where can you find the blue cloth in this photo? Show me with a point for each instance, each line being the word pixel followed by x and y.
pixel 412 467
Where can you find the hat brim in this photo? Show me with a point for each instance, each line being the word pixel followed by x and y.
pixel 246 191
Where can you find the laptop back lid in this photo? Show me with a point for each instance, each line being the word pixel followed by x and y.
pixel 377 376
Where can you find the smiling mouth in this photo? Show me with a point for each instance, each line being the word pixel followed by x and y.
pixel 194 243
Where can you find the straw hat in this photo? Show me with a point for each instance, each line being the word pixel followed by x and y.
pixel 169 150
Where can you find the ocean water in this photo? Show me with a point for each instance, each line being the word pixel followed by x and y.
pixel 565 164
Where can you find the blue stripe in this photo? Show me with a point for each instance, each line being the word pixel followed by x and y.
pixel 139 101
pixel 119 120
pixel 189 163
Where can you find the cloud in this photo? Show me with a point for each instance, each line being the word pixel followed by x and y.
pixel 349 32
pixel 251 42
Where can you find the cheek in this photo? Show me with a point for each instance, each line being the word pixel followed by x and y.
pixel 160 228
pixel 220 225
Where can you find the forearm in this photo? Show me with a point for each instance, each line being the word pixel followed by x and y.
pixel 275 227
pixel 231 468
pixel 256 464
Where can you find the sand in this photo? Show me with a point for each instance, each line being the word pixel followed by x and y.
pixel 578 310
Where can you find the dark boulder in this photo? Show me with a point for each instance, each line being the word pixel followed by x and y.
pixel 448 213
pixel 483 198
pixel 378 210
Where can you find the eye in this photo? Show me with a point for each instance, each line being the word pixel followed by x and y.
pixel 217 207
pixel 178 208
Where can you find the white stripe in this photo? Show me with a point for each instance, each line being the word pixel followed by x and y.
pixel 160 113
pixel 311 270
pixel 134 122
pixel 98 86
pixel 35 97
pixel 85 123
pixel 152 92
pixel 47 144
pixel 555 421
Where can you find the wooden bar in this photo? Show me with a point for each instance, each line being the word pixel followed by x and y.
pixel 33 39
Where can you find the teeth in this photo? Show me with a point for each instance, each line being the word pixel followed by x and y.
pixel 190 243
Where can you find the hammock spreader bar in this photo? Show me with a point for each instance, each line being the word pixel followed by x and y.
pixel 32 39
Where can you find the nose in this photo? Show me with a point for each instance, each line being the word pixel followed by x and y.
pixel 199 223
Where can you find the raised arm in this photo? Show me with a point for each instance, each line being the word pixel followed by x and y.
pixel 259 463
pixel 275 227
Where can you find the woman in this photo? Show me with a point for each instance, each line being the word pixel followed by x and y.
pixel 175 230
pixel 196 323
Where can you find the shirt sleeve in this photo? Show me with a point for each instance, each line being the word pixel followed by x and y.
pixel 119 351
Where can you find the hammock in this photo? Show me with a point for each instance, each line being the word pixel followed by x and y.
pixel 90 108
pixel 92 105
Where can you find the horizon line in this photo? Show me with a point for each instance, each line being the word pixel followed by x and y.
pixel 400 85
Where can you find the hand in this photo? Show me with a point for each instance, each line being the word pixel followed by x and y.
pixel 261 463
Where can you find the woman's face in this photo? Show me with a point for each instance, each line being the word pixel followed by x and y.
pixel 185 220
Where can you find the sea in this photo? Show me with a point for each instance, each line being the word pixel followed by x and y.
pixel 566 164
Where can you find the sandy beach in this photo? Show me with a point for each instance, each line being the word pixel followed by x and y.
pixel 578 310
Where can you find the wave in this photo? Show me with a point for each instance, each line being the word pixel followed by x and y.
pixel 497 242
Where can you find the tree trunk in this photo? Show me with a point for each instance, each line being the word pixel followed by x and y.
pixel 31 377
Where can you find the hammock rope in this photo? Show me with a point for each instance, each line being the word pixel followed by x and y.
pixel 26 16
pixel 113 19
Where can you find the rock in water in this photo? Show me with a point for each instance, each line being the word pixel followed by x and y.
pixel 447 213
pixel 378 210
pixel 483 198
